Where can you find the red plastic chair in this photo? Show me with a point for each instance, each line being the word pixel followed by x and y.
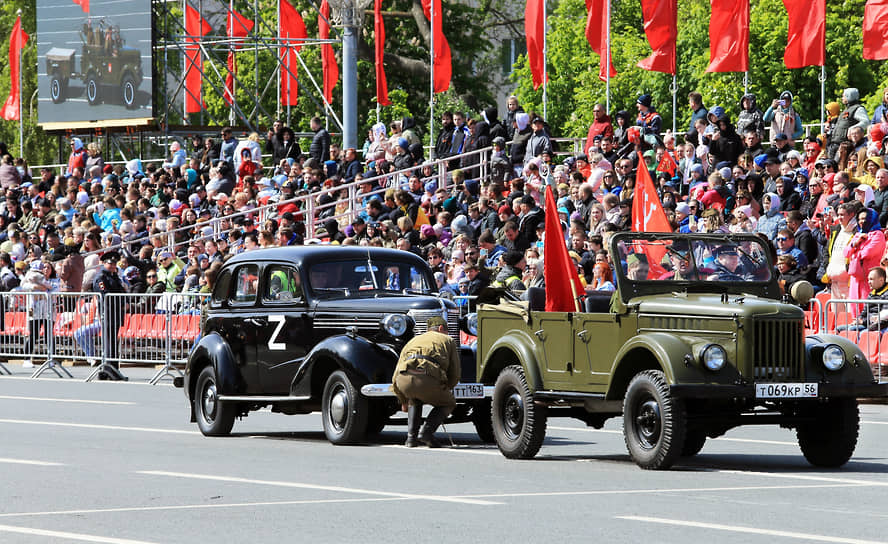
pixel 193 327
pixel 869 342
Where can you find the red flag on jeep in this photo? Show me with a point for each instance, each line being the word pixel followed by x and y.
pixel 84 5
pixel 17 41
pixel 648 216
pixel 559 271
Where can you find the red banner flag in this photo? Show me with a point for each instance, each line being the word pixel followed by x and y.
pixel 729 36
pixel 291 28
pixel 648 216
pixel 84 5
pixel 382 90
pixel 328 58
pixel 667 164
pixel 875 30
pixel 535 31
pixel 661 29
pixel 806 37
pixel 195 26
pixel 238 27
pixel 597 34
pixel 17 42
pixel 559 271
pixel 443 64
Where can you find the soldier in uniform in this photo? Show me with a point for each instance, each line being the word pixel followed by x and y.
pixel 427 371
pixel 108 281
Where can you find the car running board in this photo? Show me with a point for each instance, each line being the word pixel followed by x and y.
pixel 257 398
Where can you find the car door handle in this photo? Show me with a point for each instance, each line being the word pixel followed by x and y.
pixel 541 334
pixel 257 322
pixel 582 335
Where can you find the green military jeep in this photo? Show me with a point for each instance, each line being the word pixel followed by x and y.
pixel 695 341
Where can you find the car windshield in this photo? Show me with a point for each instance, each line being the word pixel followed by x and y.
pixel 367 275
pixel 713 259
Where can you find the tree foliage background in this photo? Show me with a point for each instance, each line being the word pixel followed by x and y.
pixel 573 68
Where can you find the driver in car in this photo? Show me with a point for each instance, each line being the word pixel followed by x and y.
pixel 727 264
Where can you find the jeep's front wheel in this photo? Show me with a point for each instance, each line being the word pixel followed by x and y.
pixel 93 90
pixel 128 92
pixel 519 425
pixel 214 418
pixel 344 410
pixel 830 439
pixel 57 88
pixel 654 423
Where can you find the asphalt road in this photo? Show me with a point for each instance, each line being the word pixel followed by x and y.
pixel 120 463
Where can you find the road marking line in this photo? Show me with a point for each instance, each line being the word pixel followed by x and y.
pixel 70 536
pixel 194 507
pixel 92 426
pixel 751 530
pixel 458 449
pixel 30 462
pixel 82 401
pixel 804 477
pixel 316 487
pixel 720 439
pixel 650 491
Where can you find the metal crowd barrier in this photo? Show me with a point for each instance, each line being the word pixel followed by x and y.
pixel 864 322
pixel 102 331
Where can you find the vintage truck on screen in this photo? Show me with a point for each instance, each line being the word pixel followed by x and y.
pixel 697 340
pixel 107 65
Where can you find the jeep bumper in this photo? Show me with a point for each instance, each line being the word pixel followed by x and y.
pixel 714 391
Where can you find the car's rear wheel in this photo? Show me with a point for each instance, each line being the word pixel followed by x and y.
pixel 214 418
pixel 519 424
pixel 57 88
pixel 128 92
pixel 830 440
pixel 654 423
pixel 482 421
pixel 344 410
pixel 93 90
pixel 694 442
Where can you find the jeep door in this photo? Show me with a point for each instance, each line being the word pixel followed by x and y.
pixel 283 338
pixel 596 340
pixel 554 337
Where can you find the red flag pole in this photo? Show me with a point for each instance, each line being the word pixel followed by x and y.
pixel 20 78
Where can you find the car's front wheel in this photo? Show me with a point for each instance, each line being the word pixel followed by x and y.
pixel 214 418
pixel 830 439
pixel 93 90
pixel 519 424
pixel 344 410
pixel 654 422
pixel 57 88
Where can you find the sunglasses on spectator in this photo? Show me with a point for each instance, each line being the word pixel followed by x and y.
pixel 781 238
pixel 149 276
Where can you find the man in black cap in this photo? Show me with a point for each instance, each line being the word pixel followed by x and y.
pixel 509 276
pixel 648 118
pixel 772 173
pixel 427 371
pixel 359 228
pixel 727 264
pixel 107 282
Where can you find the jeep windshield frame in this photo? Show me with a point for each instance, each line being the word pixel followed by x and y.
pixel 739 264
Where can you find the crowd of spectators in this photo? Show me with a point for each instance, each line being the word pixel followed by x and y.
pixel 820 199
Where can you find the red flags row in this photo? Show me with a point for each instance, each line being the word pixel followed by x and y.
pixel 443 65
pixel 84 5
pixel 238 26
pixel 17 42
pixel 535 30
pixel 806 38
pixel 661 29
pixel 328 58
pixel 195 27
pixel 875 30
pixel 291 31
pixel 597 34
pixel 559 272
pixel 382 92
pixel 729 36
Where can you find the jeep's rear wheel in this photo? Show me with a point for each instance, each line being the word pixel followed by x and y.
pixel 694 442
pixel 830 440
pixel 519 425
pixel 654 423
pixel 128 92
pixel 344 410
pixel 93 90
pixel 57 88
pixel 214 418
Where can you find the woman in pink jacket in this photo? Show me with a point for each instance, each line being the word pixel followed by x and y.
pixel 864 252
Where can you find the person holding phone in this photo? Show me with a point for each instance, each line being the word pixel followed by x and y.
pixel 784 119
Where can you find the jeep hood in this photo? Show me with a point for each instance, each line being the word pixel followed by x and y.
pixel 715 306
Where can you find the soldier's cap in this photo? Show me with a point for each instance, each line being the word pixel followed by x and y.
pixel 436 321
pixel 110 256
pixel 635 258
pixel 725 249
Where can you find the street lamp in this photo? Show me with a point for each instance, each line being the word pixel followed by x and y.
pixel 349 15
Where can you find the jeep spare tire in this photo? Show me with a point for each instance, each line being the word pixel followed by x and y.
pixel 344 410
pixel 519 424
pixel 654 423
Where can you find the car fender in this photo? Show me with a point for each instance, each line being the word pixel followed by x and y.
pixel 364 362
pixel 856 370
pixel 522 346
pixel 213 350
pixel 669 353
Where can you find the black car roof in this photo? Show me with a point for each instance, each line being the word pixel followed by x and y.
pixel 311 254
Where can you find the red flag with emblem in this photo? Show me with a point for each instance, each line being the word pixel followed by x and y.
pixel 291 28
pixel 238 27
pixel 328 58
pixel 17 42
pixel 597 34
pixel 667 164
pixel 875 30
pixel 648 216
pixel 729 36
pixel 195 27
pixel 84 5
pixel 443 60
pixel 559 271
pixel 806 36
pixel 382 92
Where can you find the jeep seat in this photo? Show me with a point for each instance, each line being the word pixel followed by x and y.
pixel 598 303
pixel 536 296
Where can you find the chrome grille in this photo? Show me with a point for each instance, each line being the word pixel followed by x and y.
pixel 421 316
pixel 778 350
pixel 365 323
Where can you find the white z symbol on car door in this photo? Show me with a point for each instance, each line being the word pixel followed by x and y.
pixel 272 344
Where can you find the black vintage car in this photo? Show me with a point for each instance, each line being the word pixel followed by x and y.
pixel 302 329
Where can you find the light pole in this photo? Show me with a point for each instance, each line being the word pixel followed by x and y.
pixel 349 16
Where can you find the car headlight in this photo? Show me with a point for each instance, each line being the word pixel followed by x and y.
pixel 472 324
pixel 395 325
pixel 833 357
pixel 714 357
